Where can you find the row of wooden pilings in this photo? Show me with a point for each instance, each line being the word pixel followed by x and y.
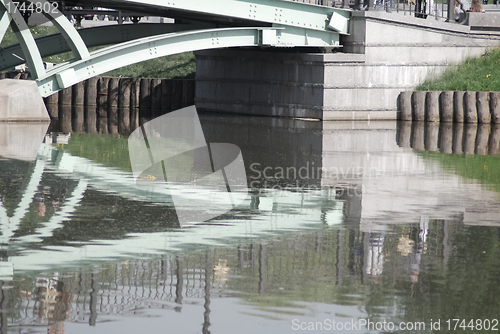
pixel 115 104
pixel 450 106
pixel 450 138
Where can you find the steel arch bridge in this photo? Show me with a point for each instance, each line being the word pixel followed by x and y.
pixel 202 24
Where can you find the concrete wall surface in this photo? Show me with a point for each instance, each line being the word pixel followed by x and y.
pixel 20 100
pixel 399 184
pixel 383 55
pixel 21 141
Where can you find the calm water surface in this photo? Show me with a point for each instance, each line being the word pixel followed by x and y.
pixel 345 225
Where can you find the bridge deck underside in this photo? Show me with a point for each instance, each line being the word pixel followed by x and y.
pixel 205 25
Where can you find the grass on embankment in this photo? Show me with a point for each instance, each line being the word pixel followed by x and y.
pixel 474 74
pixel 483 168
pixel 179 66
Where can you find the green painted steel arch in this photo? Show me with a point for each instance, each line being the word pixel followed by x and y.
pixel 132 52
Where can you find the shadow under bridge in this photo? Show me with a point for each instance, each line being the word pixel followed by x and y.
pixel 205 25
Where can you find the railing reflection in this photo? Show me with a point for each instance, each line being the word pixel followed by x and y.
pixel 332 258
pixel 450 138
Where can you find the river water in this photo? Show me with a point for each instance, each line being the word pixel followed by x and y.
pixel 347 226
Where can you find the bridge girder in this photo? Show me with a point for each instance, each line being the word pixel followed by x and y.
pixel 97 36
pixel 277 23
pixel 287 13
pixel 104 60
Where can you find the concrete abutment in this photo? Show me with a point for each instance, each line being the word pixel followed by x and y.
pixel 20 101
pixel 383 55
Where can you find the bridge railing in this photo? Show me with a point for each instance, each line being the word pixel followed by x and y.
pixel 425 9
pixel 432 9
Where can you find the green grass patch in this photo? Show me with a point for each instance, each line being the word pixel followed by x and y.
pixel 178 66
pixel 482 168
pixel 109 150
pixel 474 74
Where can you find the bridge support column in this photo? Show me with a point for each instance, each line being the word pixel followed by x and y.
pixel 256 82
pixel 20 100
pixel 324 86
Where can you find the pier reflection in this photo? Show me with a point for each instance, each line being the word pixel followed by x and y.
pixel 343 221
pixel 450 138
pixel 375 275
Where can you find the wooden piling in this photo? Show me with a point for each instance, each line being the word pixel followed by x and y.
pixel 417 136
pixel 91 119
pixel 495 107
pixel 494 143
pixel 470 138
pixel 482 137
pixel 458 136
pixel 102 105
pixel 51 102
pixel 458 107
pixel 155 97
pixel 404 133
pixel 445 143
pixel 432 106
pixel 113 90
pixel 78 94
pixel 483 107
pixel 145 101
pixel 431 136
pixel 65 96
pixel 135 90
pixel 124 106
pixel 134 103
pixel 166 95
pixel 187 92
pixel 90 99
pixel 78 118
pixel 113 120
pixel 125 88
pixel 470 109
pixel 102 92
pixel 52 99
pixel 176 101
pixel 446 106
pixel 53 110
pixel 405 106
pixel 65 118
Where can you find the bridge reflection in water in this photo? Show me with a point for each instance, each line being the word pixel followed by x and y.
pixel 456 138
pixel 385 237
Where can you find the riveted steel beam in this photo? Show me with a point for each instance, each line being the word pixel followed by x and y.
pixel 113 57
pixel 289 13
pixel 26 40
pixel 97 36
pixel 4 23
pixel 104 60
pixel 67 30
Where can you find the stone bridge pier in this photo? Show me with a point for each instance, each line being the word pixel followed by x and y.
pixel 383 55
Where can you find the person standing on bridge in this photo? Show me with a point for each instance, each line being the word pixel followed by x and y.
pixel 476 7
pixel 380 4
